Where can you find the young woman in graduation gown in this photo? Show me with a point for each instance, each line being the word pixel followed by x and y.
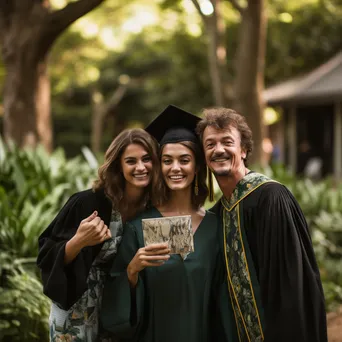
pixel 78 246
pixel 151 295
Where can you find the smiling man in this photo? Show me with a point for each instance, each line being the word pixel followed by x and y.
pixel 273 280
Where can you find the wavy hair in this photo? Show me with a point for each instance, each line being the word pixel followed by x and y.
pixel 110 177
pixel 163 191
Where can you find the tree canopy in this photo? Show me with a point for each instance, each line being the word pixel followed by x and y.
pixel 159 50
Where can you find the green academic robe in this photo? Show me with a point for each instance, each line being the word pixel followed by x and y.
pixel 173 302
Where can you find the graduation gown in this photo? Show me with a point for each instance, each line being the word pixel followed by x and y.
pixel 172 302
pixel 65 284
pixel 281 257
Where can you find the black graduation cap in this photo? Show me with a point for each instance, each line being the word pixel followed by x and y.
pixel 174 125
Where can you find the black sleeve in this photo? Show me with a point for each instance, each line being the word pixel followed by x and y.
pixel 64 284
pixel 291 289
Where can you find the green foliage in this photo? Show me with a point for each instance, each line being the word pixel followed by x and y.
pixel 181 80
pixel 24 310
pixel 33 187
pixel 168 64
pixel 292 47
pixel 171 68
pixel 312 196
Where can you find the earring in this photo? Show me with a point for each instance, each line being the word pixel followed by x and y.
pixel 196 185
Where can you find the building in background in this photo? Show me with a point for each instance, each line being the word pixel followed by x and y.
pixel 309 134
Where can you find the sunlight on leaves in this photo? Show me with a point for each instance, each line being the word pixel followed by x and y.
pixel 87 27
pixel 139 20
pixel 91 30
pixel 194 30
pixel 109 40
pixel 285 17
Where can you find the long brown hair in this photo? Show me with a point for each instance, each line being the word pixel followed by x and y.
pixel 110 177
pixel 163 191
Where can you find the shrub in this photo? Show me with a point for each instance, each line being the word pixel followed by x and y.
pixel 24 310
pixel 33 187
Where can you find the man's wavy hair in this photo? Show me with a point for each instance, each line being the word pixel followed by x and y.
pixel 110 176
pixel 220 118
pixel 201 172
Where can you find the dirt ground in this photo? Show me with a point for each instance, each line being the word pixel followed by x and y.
pixel 334 320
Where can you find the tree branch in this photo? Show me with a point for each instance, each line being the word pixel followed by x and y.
pixel 116 97
pixel 198 7
pixel 58 21
pixel 237 6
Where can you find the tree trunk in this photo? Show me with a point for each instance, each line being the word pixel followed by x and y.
pixel 27 31
pixel 21 24
pixel 19 105
pixel 43 107
pixel 249 81
pixel 217 55
pixel 215 29
pixel 96 120
pixel 214 68
pixel 27 118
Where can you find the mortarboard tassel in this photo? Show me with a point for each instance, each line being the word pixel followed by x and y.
pixel 210 185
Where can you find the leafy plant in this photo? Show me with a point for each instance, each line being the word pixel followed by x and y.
pixel 24 309
pixel 32 174
pixel 33 187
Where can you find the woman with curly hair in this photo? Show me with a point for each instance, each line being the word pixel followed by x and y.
pixel 77 247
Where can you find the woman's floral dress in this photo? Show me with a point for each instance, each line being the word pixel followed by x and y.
pixel 81 321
